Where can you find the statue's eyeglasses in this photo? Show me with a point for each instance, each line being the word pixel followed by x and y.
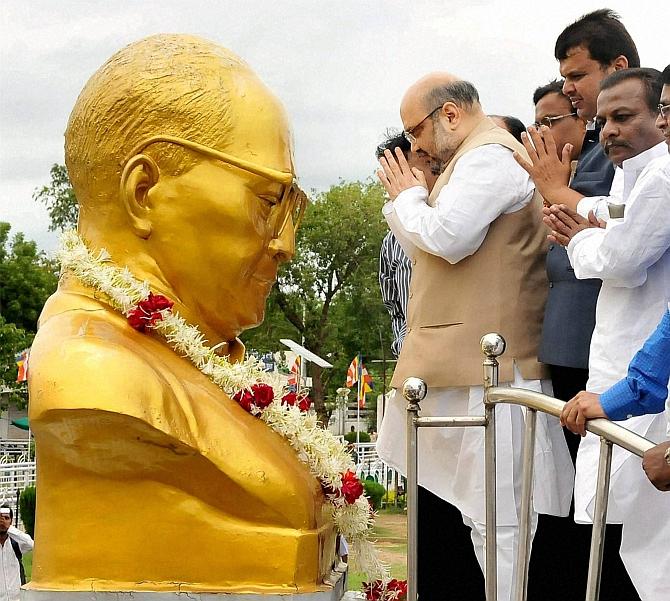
pixel 293 200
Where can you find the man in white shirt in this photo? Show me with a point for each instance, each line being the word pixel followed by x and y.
pixel 632 257
pixel 473 242
pixel 14 544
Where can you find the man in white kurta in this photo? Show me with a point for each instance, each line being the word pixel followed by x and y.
pixel 486 184
pixel 633 260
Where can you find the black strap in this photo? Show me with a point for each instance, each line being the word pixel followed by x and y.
pixel 19 557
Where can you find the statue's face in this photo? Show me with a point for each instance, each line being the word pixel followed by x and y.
pixel 214 229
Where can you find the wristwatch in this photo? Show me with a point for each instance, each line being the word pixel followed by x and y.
pixel 667 455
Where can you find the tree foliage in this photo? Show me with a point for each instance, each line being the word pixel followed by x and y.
pixel 329 295
pixel 27 279
pixel 59 199
pixel 12 341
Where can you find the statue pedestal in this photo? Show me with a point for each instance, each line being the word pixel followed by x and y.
pixel 337 593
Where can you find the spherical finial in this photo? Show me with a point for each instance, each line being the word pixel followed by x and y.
pixel 414 390
pixel 493 345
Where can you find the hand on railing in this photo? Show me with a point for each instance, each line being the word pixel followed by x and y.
pixel 584 405
pixel 657 466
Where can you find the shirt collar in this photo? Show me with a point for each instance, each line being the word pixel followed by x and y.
pixel 633 167
pixel 640 161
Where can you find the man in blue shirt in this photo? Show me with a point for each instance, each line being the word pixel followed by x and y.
pixel 644 390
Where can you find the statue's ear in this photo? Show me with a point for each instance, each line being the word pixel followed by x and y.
pixel 139 175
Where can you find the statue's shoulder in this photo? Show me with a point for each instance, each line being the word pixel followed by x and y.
pixel 86 356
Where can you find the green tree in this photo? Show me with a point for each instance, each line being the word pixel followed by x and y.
pixel 329 294
pixel 12 341
pixel 59 199
pixel 27 279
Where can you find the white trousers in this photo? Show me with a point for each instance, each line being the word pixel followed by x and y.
pixel 507 540
pixel 451 464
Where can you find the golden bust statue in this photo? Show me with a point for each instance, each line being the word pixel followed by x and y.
pixel 149 476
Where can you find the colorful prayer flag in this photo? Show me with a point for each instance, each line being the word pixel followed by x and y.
pixel 366 386
pixel 22 364
pixel 295 370
pixel 358 373
pixel 352 373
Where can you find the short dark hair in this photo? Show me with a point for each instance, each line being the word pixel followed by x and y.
pixel 665 76
pixel 651 79
pixel 11 513
pixel 461 93
pixel 603 34
pixel 553 87
pixel 393 139
pixel 512 125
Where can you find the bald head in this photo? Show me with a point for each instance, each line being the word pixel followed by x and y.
pixel 438 112
pixel 435 89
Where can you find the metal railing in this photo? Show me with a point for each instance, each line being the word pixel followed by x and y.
pixel 414 391
pixel 14 447
pixel 14 477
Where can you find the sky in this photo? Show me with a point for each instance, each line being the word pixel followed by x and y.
pixel 340 68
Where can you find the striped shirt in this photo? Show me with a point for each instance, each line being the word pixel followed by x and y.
pixel 395 270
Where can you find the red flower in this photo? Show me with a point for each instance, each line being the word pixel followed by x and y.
pixel 395 590
pixel 260 395
pixel 245 398
pixel 263 395
pixel 351 487
pixel 291 398
pixel 148 312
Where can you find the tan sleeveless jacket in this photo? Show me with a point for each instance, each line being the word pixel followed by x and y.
pixel 500 288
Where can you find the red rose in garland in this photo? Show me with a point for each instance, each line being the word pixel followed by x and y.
pixel 395 590
pixel 260 395
pixel 148 312
pixel 351 487
pixel 291 398
pixel 263 395
pixel 245 398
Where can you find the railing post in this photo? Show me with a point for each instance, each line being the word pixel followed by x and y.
pixel 492 345
pixel 414 390
pixel 599 521
pixel 525 529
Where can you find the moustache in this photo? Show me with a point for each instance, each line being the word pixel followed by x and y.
pixel 609 145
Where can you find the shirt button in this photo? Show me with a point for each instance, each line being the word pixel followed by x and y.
pixel 413 261
pixel 551 247
pixel 411 294
pixel 551 284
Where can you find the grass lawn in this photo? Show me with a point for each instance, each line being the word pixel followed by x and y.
pixel 28 564
pixel 390 532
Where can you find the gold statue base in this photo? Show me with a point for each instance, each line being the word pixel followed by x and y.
pixel 336 593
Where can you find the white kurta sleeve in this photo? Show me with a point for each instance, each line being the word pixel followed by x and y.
pixel 597 204
pixel 622 254
pixel 25 540
pixel 486 182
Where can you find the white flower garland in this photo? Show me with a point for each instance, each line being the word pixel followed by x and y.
pixel 326 456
